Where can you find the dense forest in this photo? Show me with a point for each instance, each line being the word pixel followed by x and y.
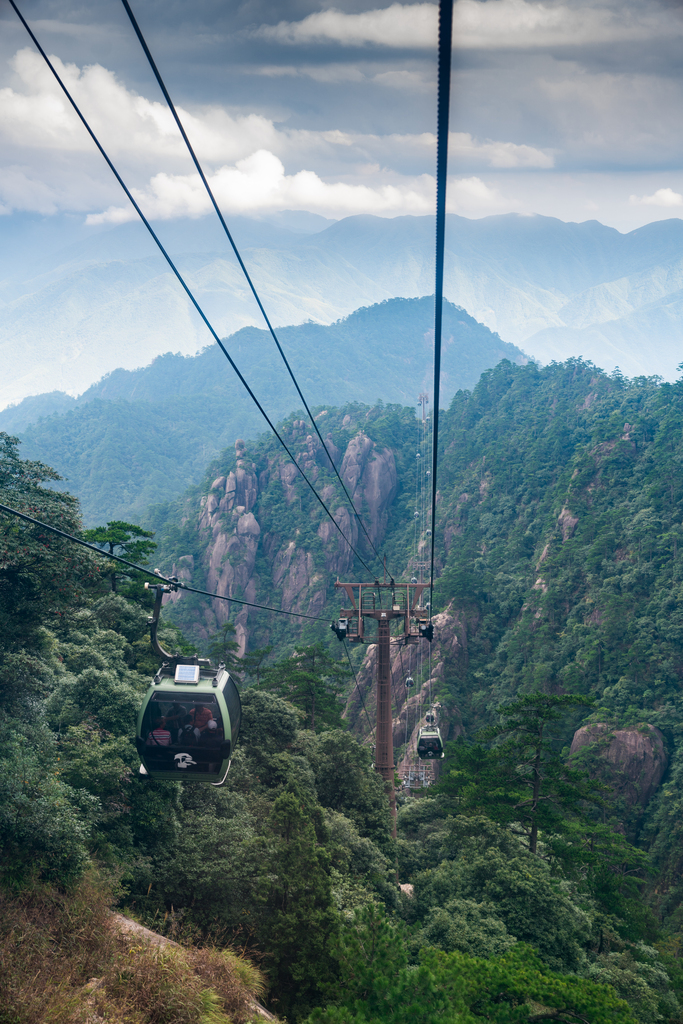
pixel 541 875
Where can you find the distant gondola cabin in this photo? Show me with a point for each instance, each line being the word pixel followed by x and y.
pixel 189 723
pixel 430 744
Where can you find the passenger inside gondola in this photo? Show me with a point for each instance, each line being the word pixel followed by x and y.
pixel 175 717
pixel 179 725
pixel 202 721
pixel 159 736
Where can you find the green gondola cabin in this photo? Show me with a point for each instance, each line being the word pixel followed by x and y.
pixel 190 718
pixel 430 744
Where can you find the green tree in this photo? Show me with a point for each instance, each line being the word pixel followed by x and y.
pixel 124 539
pixel 522 782
pixel 45 824
pixel 371 951
pixel 294 892
pixel 377 987
pixel 311 680
pixel 253 662
pixel 484 863
pixel 346 782
pixel 223 649
pixel 43 577
pixel 516 987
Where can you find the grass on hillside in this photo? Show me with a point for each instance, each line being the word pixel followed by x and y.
pixel 62 962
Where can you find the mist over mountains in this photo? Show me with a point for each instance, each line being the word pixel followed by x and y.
pixel 140 437
pixel 555 289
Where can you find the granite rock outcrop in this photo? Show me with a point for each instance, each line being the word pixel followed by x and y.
pixel 631 761
pixel 244 544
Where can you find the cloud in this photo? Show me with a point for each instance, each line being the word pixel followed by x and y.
pixel 260 184
pixel 505 24
pixel 473 197
pixel 390 149
pixel 38 115
pixel 477 24
pixel 58 187
pixel 338 73
pixel 662 197
pixel 51 164
pixel 497 154
pixel 407 26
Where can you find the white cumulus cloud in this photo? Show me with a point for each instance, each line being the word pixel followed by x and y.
pixel 480 24
pixel 662 197
pixel 254 165
pixel 400 25
pixel 38 115
pixel 260 184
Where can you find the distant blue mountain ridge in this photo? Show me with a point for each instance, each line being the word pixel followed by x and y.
pixel 143 436
pixel 107 300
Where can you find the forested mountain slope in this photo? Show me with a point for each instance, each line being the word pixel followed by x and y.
pixel 546 884
pixel 142 436
pixel 558 551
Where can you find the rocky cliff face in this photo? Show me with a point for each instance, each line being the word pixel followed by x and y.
pixel 261 536
pixel 632 761
pixel 253 548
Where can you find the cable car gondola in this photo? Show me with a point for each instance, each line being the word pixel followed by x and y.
pixel 190 718
pixel 429 742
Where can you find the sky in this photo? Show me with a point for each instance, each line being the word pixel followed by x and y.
pixel 567 109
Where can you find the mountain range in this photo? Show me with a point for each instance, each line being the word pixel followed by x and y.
pixel 73 312
pixel 142 436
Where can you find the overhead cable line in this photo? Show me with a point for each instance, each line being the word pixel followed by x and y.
pixel 405 704
pixel 408 733
pixel 200 171
pixel 180 278
pixel 360 692
pixel 443 102
pixel 176 584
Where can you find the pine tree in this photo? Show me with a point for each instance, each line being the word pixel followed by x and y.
pixel 298 919
pixel 223 649
pixel 311 680
pixel 124 539
pixel 522 782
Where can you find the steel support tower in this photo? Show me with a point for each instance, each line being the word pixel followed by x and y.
pixel 401 604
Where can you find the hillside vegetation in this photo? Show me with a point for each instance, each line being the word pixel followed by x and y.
pixel 143 435
pixel 65 960
pixel 545 886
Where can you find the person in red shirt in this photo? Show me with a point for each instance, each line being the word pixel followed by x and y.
pixel 202 721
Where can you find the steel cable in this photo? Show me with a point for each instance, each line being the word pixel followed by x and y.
pixel 181 280
pixel 443 102
pixel 360 692
pixel 254 292
pixel 178 584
